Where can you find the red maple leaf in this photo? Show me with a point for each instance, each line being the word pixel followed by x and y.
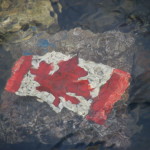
pixel 64 80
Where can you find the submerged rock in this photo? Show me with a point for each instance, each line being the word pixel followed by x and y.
pixel 26 120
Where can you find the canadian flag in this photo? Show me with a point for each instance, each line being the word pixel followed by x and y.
pixel 87 88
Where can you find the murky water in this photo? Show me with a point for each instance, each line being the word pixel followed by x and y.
pixel 97 16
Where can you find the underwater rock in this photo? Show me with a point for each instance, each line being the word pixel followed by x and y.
pixel 25 120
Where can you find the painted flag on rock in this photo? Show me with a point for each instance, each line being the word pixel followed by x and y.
pixel 87 88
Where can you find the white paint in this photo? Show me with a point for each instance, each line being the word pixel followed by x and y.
pixel 98 74
pixel 28 87
pixel 82 108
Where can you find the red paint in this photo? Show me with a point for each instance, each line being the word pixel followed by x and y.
pixel 109 94
pixel 64 80
pixel 20 68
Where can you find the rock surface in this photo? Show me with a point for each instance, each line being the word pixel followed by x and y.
pixel 25 120
pixel 19 19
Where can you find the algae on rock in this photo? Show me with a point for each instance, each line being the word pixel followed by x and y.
pixel 20 15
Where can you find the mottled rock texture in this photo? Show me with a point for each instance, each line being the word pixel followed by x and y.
pixel 19 18
pixel 25 120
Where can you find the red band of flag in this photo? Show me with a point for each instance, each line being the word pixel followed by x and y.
pixel 21 67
